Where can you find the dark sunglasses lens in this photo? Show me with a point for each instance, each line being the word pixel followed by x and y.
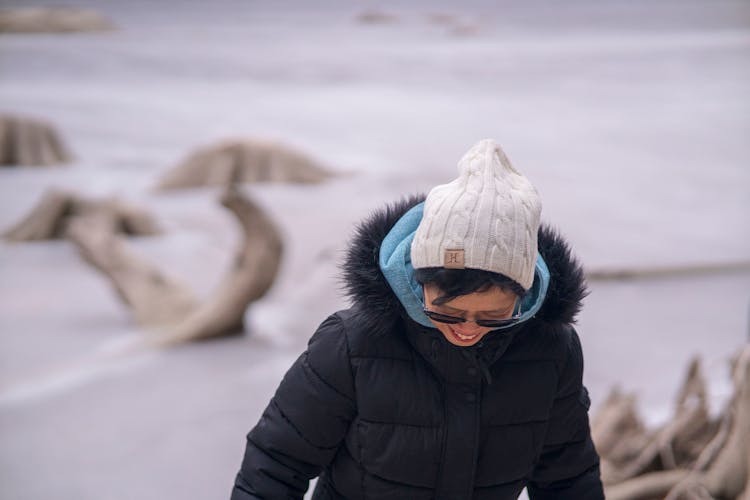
pixel 440 318
pixel 496 323
pixel 486 323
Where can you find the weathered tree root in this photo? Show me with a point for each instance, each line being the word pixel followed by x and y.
pixel 254 270
pixel 162 302
pixel 52 20
pixel 645 273
pixel 153 297
pixel 619 433
pixel 243 161
pixel 729 474
pixel 50 218
pixel 709 464
pixel 631 451
pixel 646 487
pixel 376 17
pixel 30 142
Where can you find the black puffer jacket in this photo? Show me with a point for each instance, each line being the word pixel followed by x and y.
pixel 383 408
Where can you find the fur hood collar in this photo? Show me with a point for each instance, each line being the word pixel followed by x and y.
pixel 371 294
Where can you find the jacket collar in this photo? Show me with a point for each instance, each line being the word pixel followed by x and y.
pixel 449 360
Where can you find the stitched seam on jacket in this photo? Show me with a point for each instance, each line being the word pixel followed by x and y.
pixel 363 356
pixel 299 433
pixel 400 483
pixel 360 451
pixel 325 382
pixel 501 483
pixel 424 426
pixel 568 355
pixel 357 460
pixel 564 443
pixel 525 361
pixel 511 424
pixel 345 330
pixel 265 471
pixel 575 393
pixel 444 438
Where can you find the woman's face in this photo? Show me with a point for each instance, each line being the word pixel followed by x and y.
pixel 494 303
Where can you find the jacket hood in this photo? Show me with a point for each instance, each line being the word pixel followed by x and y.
pixel 555 297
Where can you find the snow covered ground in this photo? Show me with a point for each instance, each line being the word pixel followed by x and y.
pixel 631 118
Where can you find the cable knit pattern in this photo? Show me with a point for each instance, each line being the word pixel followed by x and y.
pixel 491 211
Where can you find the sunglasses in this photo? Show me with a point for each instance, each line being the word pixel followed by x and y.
pixel 485 323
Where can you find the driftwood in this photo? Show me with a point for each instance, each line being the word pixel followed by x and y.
pixel 243 161
pixel 453 23
pixel 443 18
pixel 680 440
pixel 162 302
pixel 691 457
pixel 52 20
pixel 51 216
pixel 30 142
pixel 697 269
pixel 465 29
pixel 253 271
pixel 619 433
pixel 728 476
pixel 649 486
pixel 154 298
pixel 376 17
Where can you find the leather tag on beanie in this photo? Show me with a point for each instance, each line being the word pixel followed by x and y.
pixel 453 259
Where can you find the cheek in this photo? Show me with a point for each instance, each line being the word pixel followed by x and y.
pixel 447 332
pixel 443 328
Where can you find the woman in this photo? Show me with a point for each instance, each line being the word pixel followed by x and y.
pixel 456 374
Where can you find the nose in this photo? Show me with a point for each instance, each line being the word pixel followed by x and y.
pixel 467 327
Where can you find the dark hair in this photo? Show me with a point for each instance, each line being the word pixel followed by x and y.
pixel 456 282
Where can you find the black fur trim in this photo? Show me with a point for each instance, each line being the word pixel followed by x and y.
pixel 567 286
pixel 362 279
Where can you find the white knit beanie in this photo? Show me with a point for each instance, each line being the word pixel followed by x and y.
pixel 485 219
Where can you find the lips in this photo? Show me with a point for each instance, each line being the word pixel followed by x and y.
pixel 464 338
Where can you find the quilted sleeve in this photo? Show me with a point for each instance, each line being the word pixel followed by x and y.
pixel 305 422
pixel 568 468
